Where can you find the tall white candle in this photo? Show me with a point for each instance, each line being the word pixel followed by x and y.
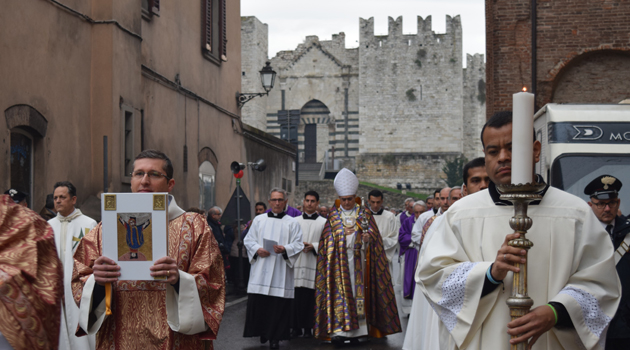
pixel 522 137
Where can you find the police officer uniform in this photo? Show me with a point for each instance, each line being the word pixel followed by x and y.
pixel 17 195
pixel 606 187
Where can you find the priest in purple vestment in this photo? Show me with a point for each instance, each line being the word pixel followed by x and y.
pixel 408 212
pixel 409 250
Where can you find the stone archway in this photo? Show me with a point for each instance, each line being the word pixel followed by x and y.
pixel 315 116
pixel 594 77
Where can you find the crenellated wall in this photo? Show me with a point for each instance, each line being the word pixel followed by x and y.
pixel 398 106
pixel 410 83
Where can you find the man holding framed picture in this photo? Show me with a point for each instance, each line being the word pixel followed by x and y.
pixel 179 311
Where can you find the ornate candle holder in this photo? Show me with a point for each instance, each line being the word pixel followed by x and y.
pixel 520 195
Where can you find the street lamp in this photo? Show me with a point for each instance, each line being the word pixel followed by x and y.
pixel 267 78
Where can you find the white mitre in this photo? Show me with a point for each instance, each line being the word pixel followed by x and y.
pixel 346 183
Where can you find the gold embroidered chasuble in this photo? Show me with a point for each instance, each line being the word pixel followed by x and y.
pixel 31 279
pixel 337 306
pixel 139 308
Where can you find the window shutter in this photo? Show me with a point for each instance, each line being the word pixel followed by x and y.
pixel 224 30
pixel 208 26
pixel 155 7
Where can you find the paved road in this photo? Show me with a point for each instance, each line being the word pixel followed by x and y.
pixel 231 333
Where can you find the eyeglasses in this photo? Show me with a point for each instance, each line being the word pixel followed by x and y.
pixel 276 200
pixel 602 205
pixel 153 175
pixel 347 199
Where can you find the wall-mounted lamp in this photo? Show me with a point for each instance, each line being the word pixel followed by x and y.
pixel 267 77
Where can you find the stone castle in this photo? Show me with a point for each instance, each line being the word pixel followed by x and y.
pixel 394 110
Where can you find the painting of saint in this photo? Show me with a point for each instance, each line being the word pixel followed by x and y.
pixel 134 237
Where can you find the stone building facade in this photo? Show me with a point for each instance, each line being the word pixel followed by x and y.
pixel 581 52
pixel 393 110
pixel 87 85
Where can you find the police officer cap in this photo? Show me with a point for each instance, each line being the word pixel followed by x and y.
pixel 16 195
pixel 603 187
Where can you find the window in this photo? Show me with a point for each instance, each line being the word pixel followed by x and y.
pixel 150 8
pixel 215 33
pixel 206 185
pixel 130 142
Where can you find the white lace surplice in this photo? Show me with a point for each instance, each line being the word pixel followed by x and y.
pixel 569 263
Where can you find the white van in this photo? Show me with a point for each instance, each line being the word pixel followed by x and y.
pixel 583 141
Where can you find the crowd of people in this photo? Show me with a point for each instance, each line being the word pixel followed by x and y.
pixel 327 272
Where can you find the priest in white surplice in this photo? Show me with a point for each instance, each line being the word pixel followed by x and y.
pixel 570 281
pixel 387 226
pixel 273 243
pixel 312 225
pixel 70 226
pixel 423 319
pixel 438 200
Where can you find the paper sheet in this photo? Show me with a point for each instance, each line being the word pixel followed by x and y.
pixel 268 245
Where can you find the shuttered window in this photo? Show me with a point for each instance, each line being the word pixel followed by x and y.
pixel 150 8
pixel 215 30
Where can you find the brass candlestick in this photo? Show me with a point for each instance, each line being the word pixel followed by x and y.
pixel 520 195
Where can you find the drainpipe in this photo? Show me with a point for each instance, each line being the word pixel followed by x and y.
pixel 534 34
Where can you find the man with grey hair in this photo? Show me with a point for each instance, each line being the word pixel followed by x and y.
pixel 224 237
pixel 407 213
pixel 273 243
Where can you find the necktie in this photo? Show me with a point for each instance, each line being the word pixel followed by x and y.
pixel 609 229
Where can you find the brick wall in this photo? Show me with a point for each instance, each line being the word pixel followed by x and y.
pixel 577 41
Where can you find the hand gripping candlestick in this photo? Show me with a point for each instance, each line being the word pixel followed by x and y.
pixel 520 195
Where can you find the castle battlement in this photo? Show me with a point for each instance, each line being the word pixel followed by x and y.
pixel 424 35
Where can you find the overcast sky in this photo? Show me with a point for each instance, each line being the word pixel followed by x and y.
pixel 290 21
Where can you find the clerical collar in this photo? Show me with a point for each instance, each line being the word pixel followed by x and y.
pixel 271 214
pixel 310 217
pixel 380 212
pixel 495 195
pixel 69 215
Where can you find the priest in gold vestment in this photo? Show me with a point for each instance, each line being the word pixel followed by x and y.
pixel 179 312
pixel 354 295
pixel 31 280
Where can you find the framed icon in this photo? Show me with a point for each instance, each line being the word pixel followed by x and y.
pixel 135 234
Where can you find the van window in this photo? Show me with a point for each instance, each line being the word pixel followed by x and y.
pixel 572 172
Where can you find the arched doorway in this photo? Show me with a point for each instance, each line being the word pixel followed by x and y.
pixel 208 164
pixel 27 127
pixel 21 162
pixel 314 113
pixel 207 183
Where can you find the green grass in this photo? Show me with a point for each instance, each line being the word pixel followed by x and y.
pixel 394 190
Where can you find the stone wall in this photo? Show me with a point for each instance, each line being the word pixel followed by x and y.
pixel 411 88
pixel 254 52
pixel 327 194
pixel 474 105
pixel 400 96
pixel 423 171
pixel 319 70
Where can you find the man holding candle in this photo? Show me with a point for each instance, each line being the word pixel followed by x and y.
pixel 574 293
